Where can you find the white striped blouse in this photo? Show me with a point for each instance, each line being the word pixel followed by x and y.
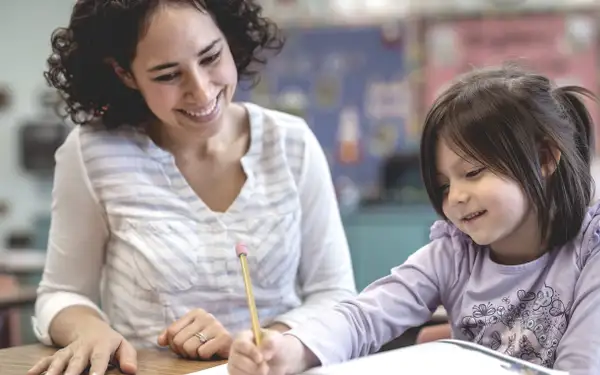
pixel 130 235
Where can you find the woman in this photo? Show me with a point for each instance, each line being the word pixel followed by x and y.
pixel 165 175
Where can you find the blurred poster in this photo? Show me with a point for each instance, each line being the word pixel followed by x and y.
pixel 562 45
pixel 351 85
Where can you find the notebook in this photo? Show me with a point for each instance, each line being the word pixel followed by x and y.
pixel 440 357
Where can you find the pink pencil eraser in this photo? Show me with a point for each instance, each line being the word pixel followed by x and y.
pixel 241 249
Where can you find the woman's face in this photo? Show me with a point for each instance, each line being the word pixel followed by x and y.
pixel 184 69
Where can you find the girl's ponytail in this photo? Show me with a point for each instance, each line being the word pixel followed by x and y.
pixel 570 99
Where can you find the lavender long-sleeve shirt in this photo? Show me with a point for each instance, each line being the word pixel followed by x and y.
pixel 546 311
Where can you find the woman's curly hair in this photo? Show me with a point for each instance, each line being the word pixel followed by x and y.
pixel 101 31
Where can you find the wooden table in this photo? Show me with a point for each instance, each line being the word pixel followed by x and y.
pixel 17 360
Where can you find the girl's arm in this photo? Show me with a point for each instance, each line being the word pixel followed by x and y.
pixel 384 310
pixel 579 349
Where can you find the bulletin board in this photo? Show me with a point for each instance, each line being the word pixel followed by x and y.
pixel 350 83
pixel 562 45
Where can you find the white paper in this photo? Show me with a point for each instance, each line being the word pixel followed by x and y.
pixel 217 370
pixel 442 357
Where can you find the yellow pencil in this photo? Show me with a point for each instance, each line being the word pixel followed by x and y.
pixel 242 253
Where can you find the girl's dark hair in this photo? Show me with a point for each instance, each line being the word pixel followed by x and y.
pixel 103 30
pixel 510 120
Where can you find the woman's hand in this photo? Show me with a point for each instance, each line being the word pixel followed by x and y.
pixel 96 345
pixel 197 335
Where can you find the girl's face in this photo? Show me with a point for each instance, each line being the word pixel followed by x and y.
pixel 491 209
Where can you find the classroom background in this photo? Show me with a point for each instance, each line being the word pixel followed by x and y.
pixel 362 74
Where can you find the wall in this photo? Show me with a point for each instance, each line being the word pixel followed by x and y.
pixel 25 28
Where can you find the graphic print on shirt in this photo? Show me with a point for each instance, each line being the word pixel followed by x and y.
pixel 528 326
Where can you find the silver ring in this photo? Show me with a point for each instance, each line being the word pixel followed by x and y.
pixel 201 337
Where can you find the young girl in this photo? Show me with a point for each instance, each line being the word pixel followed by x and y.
pixel 505 159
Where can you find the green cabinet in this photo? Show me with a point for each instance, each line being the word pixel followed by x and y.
pixel 382 238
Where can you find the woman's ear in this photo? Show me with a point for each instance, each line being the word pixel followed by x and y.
pixel 125 76
pixel 549 159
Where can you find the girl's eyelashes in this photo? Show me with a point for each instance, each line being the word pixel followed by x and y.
pixel 474 173
pixel 443 188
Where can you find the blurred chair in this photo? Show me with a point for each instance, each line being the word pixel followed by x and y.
pixel 10 333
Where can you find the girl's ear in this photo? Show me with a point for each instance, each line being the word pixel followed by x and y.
pixel 549 159
pixel 125 76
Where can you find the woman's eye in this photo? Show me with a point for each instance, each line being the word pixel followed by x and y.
pixel 211 59
pixel 166 77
